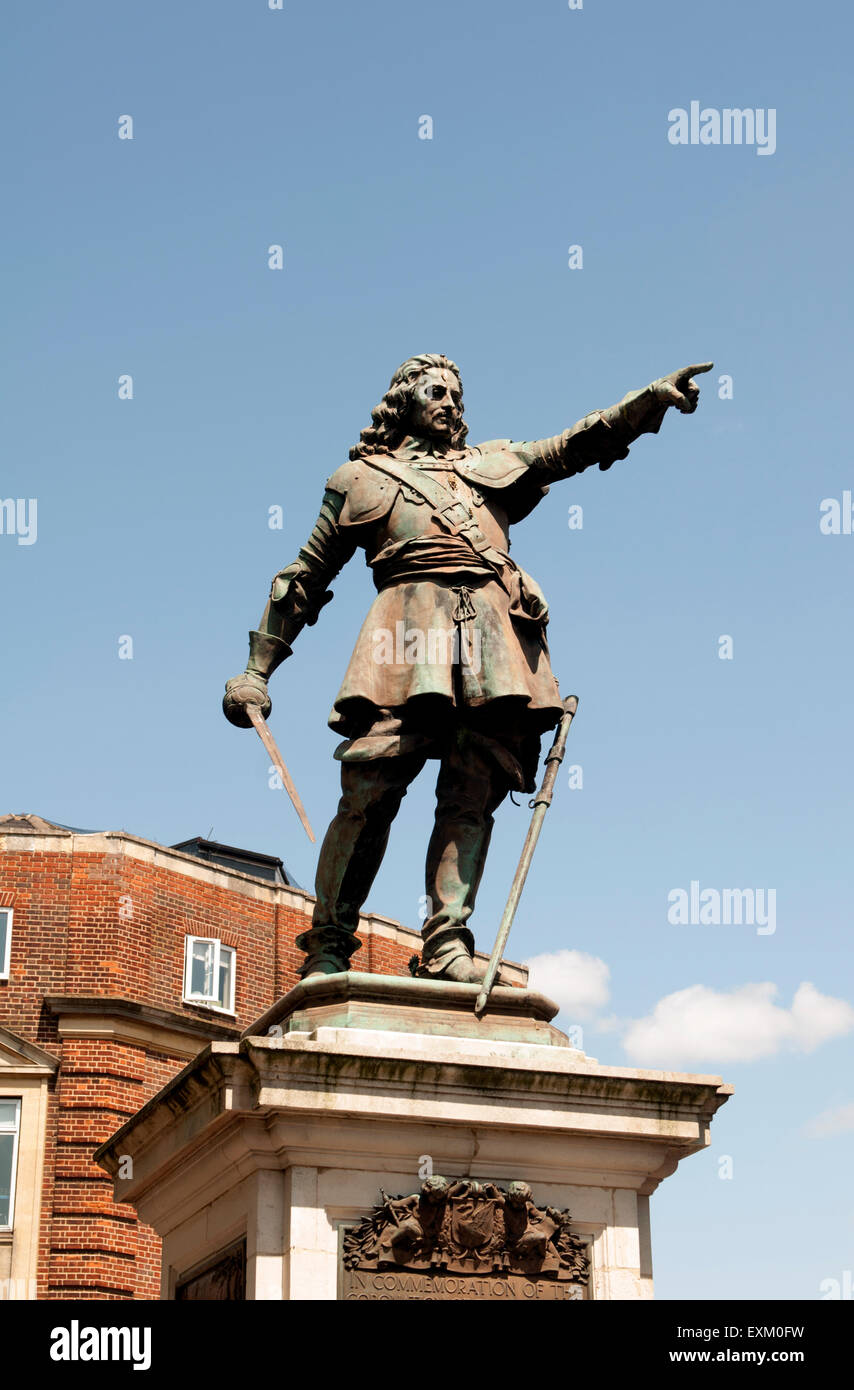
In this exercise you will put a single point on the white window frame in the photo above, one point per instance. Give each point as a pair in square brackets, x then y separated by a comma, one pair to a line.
[209, 1001]
[7, 954]
[15, 1130]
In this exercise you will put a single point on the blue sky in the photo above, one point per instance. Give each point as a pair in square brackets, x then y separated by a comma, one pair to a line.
[550, 128]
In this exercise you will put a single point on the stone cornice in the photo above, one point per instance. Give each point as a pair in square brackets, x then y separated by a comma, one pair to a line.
[270, 1102]
[127, 1020]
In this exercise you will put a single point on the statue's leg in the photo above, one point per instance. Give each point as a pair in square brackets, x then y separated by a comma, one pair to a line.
[472, 783]
[350, 857]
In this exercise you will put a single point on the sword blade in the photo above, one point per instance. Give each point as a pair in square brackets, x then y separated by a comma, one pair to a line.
[262, 729]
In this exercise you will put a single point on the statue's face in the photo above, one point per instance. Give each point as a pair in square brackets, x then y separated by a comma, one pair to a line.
[436, 398]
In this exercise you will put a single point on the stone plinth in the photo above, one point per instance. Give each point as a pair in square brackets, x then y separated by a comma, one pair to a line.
[284, 1138]
[401, 1004]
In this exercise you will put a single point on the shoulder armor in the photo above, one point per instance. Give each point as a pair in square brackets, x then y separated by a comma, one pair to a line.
[494, 464]
[368, 494]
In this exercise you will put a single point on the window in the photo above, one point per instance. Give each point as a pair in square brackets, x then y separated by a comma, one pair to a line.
[10, 1120]
[209, 973]
[5, 941]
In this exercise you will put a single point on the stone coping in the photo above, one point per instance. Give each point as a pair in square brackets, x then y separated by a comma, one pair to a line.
[299, 1077]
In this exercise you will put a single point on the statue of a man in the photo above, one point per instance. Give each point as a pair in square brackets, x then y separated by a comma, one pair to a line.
[452, 662]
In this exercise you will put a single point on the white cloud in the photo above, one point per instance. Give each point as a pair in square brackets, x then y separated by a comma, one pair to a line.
[817, 1018]
[743, 1025]
[838, 1120]
[573, 979]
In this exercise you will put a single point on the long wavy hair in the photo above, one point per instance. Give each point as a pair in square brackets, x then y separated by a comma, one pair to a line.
[391, 415]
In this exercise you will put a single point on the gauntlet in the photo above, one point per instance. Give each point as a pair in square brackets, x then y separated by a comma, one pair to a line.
[265, 654]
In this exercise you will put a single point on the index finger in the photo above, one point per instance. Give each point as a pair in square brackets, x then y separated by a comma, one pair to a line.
[696, 369]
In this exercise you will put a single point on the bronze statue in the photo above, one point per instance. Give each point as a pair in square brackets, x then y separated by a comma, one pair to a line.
[452, 662]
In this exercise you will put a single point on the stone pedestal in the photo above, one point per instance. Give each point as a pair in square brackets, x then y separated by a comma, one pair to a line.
[266, 1151]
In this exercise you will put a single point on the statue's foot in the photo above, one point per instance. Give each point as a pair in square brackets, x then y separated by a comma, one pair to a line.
[472, 972]
[327, 950]
[462, 969]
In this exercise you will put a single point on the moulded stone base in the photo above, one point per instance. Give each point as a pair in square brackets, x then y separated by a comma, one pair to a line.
[404, 1004]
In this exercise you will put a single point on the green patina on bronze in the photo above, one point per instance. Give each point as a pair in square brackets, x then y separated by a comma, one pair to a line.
[452, 662]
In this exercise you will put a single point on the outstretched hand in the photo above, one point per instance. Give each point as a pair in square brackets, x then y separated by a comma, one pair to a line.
[678, 389]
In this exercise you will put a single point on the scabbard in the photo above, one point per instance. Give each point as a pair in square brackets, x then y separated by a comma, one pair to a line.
[541, 803]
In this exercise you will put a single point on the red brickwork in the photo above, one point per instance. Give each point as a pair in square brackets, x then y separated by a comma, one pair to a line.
[111, 926]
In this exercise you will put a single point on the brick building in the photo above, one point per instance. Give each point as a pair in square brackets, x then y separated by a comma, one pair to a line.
[119, 960]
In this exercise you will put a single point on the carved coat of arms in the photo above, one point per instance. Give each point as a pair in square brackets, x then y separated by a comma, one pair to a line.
[468, 1227]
